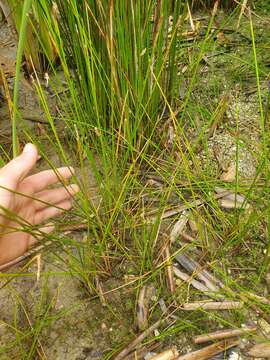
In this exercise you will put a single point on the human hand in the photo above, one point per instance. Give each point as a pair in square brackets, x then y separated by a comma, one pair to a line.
[26, 202]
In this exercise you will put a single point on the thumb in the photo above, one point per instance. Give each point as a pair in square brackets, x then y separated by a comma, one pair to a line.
[20, 166]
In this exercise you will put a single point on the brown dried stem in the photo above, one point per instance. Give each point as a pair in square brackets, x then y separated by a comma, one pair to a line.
[223, 334]
[213, 305]
[209, 351]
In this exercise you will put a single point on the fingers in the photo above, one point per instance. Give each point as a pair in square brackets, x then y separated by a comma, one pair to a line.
[39, 182]
[14, 171]
[54, 196]
[52, 211]
[42, 231]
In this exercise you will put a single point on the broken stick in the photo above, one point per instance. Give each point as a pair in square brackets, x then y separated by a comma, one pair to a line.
[260, 350]
[188, 278]
[170, 354]
[179, 226]
[209, 351]
[223, 334]
[140, 353]
[169, 269]
[138, 340]
[152, 215]
[213, 305]
[193, 267]
[143, 303]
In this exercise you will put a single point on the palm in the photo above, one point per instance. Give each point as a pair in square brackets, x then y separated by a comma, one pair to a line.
[26, 203]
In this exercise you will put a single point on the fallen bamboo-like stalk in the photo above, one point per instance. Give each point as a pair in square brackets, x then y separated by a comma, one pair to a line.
[231, 204]
[170, 354]
[223, 334]
[260, 351]
[245, 299]
[231, 196]
[140, 353]
[187, 278]
[260, 299]
[178, 209]
[138, 340]
[213, 305]
[232, 200]
[74, 227]
[209, 351]
[193, 267]
[179, 226]
[142, 310]
[169, 269]
[187, 237]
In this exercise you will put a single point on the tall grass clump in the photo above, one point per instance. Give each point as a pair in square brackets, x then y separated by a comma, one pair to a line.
[115, 58]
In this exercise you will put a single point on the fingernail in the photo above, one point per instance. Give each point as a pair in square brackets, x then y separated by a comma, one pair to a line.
[29, 148]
